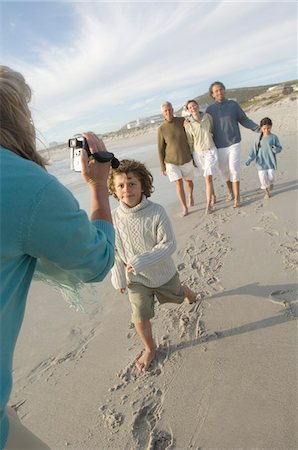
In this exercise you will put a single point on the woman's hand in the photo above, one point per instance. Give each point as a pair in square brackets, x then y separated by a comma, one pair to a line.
[96, 175]
[93, 172]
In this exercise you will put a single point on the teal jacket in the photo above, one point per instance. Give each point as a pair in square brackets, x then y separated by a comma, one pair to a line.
[40, 220]
[264, 152]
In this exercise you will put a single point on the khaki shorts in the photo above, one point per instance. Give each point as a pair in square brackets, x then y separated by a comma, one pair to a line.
[142, 297]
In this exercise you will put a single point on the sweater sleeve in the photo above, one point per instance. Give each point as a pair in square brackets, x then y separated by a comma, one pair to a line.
[69, 248]
[165, 246]
[161, 144]
[189, 135]
[252, 154]
[118, 278]
[277, 148]
[245, 121]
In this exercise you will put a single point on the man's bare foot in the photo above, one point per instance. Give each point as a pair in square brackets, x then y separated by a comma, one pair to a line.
[230, 196]
[144, 361]
[213, 199]
[189, 294]
[190, 202]
[184, 212]
[209, 210]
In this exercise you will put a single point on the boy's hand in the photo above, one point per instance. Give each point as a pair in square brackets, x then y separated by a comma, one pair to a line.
[129, 268]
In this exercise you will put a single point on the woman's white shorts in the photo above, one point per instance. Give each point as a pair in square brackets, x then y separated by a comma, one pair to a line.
[206, 161]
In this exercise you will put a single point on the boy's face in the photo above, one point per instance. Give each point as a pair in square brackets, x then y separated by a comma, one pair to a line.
[128, 188]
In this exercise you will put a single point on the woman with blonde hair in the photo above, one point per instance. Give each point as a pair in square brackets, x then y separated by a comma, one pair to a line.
[41, 226]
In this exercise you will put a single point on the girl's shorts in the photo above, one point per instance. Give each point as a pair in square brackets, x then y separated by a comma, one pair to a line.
[142, 297]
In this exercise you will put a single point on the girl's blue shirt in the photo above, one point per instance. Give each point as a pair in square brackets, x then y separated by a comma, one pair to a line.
[40, 222]
[265, 155]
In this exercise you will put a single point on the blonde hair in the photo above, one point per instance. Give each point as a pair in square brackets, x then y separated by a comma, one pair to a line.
[17, 132]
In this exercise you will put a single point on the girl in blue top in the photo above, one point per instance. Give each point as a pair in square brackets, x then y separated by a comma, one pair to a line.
[42, 228]
[264, 152]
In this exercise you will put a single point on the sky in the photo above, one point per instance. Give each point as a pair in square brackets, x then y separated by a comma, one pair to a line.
[98, 65]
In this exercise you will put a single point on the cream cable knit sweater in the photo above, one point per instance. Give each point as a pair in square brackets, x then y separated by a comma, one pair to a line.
[144, 239]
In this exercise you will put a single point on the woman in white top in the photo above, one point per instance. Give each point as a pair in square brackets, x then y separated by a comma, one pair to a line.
[199, 135]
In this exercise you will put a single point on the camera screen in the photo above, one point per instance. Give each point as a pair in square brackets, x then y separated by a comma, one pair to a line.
[72, 143]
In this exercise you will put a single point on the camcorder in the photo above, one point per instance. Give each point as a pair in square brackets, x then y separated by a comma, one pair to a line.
[77, 143]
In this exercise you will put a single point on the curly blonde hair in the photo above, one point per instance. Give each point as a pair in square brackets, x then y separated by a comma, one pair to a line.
[138, 169]
[17, 132]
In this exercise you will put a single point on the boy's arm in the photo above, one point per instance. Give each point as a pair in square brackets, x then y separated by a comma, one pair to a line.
[118, 278]
[165, 246]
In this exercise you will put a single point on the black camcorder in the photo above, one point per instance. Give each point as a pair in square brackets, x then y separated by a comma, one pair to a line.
[76, 143]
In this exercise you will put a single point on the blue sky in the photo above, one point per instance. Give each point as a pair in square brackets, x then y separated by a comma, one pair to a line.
[98, 65]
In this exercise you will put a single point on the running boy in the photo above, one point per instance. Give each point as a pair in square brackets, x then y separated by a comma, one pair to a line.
[144, 244]
[264, 152]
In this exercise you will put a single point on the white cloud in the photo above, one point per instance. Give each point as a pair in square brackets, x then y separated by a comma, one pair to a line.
[120, 59]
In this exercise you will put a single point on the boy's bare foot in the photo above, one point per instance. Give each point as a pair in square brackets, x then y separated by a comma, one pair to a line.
[144, 361]
[213, 199]
[189, 294]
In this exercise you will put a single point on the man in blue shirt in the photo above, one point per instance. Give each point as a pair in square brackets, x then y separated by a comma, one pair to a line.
[227, 114]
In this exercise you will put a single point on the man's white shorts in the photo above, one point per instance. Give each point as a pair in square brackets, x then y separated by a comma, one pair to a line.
[229, 162]
[207, 161]
[267, 178]
[186, 171]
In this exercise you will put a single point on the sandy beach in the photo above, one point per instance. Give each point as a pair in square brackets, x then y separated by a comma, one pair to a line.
[225, 375]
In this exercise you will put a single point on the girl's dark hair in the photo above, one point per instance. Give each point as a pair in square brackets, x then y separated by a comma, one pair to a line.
[213, 84]
[138, 169]
[190, 101]
[265, 121]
